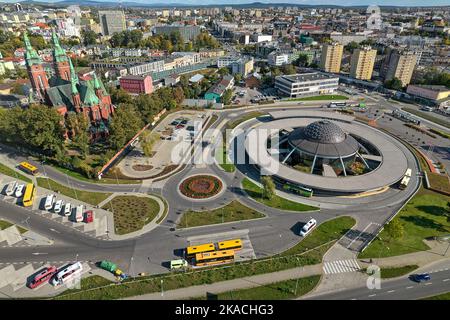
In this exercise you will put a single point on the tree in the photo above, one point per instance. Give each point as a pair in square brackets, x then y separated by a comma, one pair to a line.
[89, 37]
[125, 123]
[227, 95]
[394, 229]
[350, 47]
[223, 71]
[302, 60]
[78, 126]
[394, 84]
[288, 69]
[268, 187]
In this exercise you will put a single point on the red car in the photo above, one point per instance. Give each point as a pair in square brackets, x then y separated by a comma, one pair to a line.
[179, 126]
[89, 216]
[43, 276]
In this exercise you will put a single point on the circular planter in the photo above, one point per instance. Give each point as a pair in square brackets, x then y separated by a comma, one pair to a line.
[201, 186]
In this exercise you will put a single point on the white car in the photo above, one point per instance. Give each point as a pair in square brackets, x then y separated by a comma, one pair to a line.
[49, 201]
[307, 228]
[67, 209]
[19, 190]
[58, 206]
[11, 188]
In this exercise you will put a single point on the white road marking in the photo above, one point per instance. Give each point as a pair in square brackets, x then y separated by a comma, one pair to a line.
[409, 287]
[427, 284]
[340, 266]
[390, 291]
[372, 295]
[445, 280]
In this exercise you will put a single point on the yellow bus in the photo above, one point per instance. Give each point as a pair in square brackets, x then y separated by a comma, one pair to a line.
[28, 168]
[234, 244]
[28, 196]
[215, 257]
[193, 250]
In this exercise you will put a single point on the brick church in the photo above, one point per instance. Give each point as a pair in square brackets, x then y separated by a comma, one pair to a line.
[63, 89]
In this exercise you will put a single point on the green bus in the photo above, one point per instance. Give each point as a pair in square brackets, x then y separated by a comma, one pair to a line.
[303, 191]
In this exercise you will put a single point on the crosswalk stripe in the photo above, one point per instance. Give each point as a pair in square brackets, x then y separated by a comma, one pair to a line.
[341, 266]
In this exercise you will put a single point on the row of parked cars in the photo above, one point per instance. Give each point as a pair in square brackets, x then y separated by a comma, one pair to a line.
[77, 213]
[15, 189]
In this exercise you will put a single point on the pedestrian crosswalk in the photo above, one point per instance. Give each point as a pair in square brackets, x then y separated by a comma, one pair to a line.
[341, 266]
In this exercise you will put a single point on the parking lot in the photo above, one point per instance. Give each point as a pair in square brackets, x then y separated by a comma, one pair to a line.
[175, 131]
[246, 96]
[78, 216]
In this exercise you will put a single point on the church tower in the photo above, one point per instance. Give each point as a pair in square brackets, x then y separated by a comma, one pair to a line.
[60, 60]
[35, 68]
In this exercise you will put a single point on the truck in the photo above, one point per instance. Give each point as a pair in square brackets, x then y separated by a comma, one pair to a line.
[112, 267]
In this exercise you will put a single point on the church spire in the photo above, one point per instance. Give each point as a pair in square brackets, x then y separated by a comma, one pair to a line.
[73, 75]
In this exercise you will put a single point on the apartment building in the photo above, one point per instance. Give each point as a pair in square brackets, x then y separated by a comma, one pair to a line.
[399, 64]
[111, 22]
[331, 57]
[362, 63]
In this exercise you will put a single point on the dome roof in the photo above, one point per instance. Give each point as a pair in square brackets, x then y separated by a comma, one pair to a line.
[323, 138]
[324, 131]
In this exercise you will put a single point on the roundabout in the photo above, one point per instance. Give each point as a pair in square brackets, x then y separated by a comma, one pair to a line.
[202, 186]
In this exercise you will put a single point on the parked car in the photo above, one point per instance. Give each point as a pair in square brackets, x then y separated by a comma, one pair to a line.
[421, 277]
[58, 206]
[49, 201]
[89, 216]
[180, 126]
[11, 188]
[67, 209]
[19, 190]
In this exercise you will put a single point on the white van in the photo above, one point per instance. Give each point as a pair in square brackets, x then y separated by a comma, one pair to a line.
[49, 201]
[58, 206]
[78, 217]
[67, 209]
[307, 228]
[19, 190]
[11, 188]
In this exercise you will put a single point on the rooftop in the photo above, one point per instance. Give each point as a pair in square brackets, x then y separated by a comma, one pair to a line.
[303, 77]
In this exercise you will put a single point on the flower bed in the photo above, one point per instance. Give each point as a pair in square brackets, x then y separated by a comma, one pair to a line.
[201, 186]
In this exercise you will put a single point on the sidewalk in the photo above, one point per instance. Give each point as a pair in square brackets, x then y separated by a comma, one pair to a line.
[235, 284]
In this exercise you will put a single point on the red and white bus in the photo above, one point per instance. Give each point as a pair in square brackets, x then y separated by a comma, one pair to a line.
[43, 276]
[66, 274]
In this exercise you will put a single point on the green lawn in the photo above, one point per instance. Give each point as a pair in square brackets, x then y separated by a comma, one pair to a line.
[6, 224]
[281, 290]
[324, 235]
[233, 211]
[223, 160]
[255, 192]
[132, 213]
[421, 218]
[12, 173]
[90, 282]
[397, 271]
[81, 177]
[321, 97]
[93, 198]
[166, 209]
[250, 115]
[429, 116]
[444, 296]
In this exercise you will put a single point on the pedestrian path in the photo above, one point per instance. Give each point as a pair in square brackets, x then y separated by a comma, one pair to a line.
[341, 266]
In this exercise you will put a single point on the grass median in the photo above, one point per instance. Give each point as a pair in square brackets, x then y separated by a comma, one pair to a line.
[247, 116]
[424, 216]
[234, 211]
[324, 236]
[223, 159]
[6, 224]
[132, 213]
[79, 176]
[281, 290]
[12, 173]
[255, 192]
[444, 296]
[93, 198]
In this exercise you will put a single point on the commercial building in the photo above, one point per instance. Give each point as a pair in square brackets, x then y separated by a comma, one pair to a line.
[399, 64]
[362, 63]
[137, 84]
[111, 22]
[277, 59]
[330, 61]
[304, 84]
[436, 95]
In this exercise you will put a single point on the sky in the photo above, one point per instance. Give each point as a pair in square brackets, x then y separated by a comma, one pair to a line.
[309, 2]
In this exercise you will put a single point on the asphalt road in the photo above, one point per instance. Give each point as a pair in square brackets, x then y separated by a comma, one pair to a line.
[151, 251]
[398, 289]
